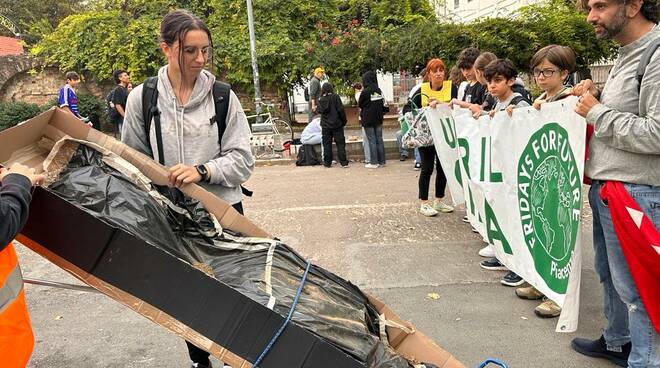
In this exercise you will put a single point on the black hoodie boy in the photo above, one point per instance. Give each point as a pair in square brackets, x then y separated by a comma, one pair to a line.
[371, 101]
[333, 115]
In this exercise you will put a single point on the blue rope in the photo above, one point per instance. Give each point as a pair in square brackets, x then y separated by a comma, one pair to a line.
[494, 361]
[288, 318]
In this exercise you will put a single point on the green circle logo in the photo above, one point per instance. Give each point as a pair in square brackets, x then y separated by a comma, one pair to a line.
[549, 200]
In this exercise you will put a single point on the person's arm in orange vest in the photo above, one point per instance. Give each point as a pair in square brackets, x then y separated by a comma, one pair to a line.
[15, 196]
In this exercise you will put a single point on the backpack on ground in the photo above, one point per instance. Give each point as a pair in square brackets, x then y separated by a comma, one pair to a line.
[112, 112]
[150, 111]
[307, 156]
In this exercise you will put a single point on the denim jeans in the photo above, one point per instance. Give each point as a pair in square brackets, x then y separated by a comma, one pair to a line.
[365, 145]
[376, 144]
[627, 319]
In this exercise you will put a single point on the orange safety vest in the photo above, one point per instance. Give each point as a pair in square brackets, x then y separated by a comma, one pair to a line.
[16, 338]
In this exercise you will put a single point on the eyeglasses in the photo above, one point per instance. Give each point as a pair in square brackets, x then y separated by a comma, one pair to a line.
[194, 51]
[546, 72]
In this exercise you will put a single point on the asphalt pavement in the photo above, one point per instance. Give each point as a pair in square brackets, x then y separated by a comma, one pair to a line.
[365, 226]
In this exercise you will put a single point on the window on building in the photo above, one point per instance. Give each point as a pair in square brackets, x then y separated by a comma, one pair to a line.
[457, 3]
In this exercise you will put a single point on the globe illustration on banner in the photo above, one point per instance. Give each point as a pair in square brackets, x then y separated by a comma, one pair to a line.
[549, 201]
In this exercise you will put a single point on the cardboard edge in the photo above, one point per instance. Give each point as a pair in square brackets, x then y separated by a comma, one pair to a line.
[413, 344]
[146, 310]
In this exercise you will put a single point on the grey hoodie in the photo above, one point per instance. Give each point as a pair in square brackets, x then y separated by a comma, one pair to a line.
[191, 139]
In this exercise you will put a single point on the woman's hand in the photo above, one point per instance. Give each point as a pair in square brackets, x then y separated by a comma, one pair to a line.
[492, 113]
[183, 174]
[509, 110]
[433, 103]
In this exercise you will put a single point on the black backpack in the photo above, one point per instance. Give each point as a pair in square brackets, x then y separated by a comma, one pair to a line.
[150, 110]
[110, 107]
[307, 156]
[526, 95]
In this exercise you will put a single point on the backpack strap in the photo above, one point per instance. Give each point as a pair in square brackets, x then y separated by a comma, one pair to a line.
[221, 92]
[516, 100]
[150, 111]
[645, 60]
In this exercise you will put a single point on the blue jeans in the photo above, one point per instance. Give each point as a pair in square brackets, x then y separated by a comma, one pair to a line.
[627, 319]
[376, 144]
[365, 145]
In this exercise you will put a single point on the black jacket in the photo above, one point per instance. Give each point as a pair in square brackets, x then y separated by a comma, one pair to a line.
[371, 102]
[15, 199]
[332, 111]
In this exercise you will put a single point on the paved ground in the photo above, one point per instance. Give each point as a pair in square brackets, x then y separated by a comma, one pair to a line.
[363, 225]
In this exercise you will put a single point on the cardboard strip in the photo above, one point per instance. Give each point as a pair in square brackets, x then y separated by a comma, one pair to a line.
[268, 275]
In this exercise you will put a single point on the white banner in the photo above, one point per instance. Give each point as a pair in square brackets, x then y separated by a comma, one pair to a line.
[520, 178]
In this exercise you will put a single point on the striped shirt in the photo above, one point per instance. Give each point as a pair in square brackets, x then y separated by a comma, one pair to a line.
[67, 97]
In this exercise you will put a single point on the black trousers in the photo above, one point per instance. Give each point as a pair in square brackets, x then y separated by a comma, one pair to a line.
[326, 137]
[196, 354]
[428, 157]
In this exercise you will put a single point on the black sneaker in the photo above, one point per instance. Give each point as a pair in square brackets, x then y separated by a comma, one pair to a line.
[512, 279]
[598, 349]
[492, 264]
[418, 166]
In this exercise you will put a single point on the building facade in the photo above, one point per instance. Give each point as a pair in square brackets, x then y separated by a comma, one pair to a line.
[468, 10]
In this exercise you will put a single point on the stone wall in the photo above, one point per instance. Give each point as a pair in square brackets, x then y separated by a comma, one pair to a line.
[23, 79]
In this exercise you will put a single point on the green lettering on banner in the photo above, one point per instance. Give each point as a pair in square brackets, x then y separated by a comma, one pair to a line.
[495, 177]
[463, 143]
[549, 197]
[493, 229]
[482, 162]
[447, 124]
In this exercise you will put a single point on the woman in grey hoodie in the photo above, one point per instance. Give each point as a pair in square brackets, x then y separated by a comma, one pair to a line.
[190, 137]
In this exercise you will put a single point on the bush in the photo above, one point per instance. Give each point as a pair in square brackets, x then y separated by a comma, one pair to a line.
[89, 106]
[12, 113]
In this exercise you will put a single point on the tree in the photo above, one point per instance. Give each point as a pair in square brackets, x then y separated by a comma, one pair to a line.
[36, 18]
[347, 37]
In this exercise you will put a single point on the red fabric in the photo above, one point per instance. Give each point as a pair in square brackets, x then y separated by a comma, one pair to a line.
[640, 244]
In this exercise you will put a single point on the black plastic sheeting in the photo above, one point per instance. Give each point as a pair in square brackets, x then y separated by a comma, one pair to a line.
[330, 306]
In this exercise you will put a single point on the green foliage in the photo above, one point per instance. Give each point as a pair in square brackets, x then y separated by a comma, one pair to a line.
[101, 42]
[558, 22]
[36, 18]
[12, 113]
[347, 37]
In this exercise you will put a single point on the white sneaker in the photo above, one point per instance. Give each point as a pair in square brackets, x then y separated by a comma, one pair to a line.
[465, 219]
[371, 166]
[487, 251]
[441, 206]
[426, 210]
